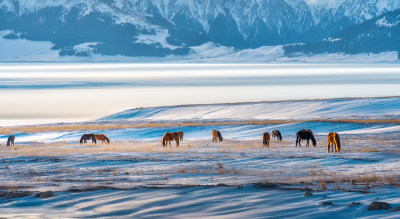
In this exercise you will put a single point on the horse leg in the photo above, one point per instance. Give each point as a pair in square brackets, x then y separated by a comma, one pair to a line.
[329, 145]
[308, 143]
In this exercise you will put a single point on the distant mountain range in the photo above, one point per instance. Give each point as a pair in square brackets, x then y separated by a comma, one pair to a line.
[376, 35]
[159, 28]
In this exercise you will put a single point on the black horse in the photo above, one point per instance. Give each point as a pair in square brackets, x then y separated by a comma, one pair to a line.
[86, 137]
[10, 140]
[277, 134]
[305, 134]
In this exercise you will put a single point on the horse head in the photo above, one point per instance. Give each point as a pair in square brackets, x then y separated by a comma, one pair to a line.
[314, 142]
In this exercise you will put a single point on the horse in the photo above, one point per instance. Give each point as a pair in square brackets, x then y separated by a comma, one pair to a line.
[216, 134]
[86, 137]
[10, 140]
[277, 134]
[305, 134]
[102, 138]
[266, 139]
[333, 138]
[180, 135]
[168, 137]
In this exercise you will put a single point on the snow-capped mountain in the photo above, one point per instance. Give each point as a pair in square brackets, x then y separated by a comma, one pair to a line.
[376, 35]
[164, 27]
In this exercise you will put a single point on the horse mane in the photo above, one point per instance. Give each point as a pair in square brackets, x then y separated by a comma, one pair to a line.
[278, 134]
[219, 135]
[108, 140]
[164, 139]
[313, 139]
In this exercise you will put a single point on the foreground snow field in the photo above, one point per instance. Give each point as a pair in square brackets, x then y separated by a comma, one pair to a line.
[237, 178]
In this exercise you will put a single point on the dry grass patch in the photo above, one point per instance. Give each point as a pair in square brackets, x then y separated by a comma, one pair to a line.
[92, 127]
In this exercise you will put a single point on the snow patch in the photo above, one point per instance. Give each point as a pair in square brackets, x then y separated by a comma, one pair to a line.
[383, 57]
[85, 47]
[385, 23]
[25, 50]
[160, 37]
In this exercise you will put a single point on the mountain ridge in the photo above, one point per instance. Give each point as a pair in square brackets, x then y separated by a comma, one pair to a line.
[171, 27]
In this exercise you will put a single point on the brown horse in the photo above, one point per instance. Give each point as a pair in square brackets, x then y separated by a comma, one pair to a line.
[266, 139]
[216, 134]
[102, 138]
[168, 137]
[180, 135]
[333, 138]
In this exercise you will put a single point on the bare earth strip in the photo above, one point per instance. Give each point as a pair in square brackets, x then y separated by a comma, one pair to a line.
[113, 125]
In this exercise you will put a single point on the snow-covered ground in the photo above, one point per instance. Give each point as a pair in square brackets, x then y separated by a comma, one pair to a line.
[364, 108]
[26, 50]
[135, 176]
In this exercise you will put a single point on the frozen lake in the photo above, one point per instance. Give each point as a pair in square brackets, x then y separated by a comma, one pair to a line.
[55, 92]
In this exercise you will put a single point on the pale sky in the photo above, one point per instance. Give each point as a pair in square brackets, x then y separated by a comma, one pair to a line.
[32, 93]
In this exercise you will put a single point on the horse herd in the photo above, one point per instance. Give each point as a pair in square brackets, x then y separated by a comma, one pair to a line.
[304, 134]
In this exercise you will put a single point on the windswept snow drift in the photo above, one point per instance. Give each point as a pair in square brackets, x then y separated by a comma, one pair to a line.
[367, 108]
[291, 116]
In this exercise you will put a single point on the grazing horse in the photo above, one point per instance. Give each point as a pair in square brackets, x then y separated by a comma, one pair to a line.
[277, 134]
[102, 138]
[266, 139]
[333, 138]
[180, 135]
[168, 137]
[216, 134]
[10, 140]
[86, 137]
[305, 134]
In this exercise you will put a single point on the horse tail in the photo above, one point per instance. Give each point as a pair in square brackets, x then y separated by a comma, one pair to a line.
[337, 141]
[264, 138]
[219, 136]
[94, 139]
[279, 136]
[163, 140]
[314, 142]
